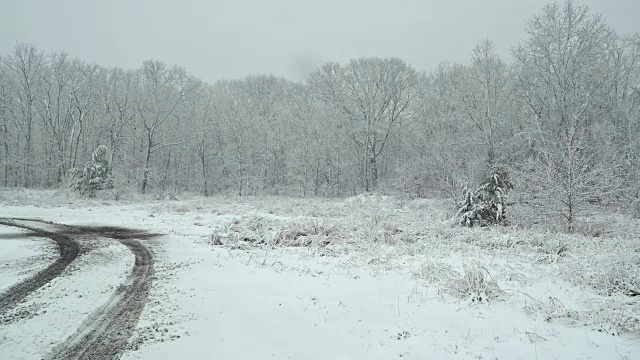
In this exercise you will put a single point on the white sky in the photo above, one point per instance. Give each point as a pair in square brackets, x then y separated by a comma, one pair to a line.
[218, 39]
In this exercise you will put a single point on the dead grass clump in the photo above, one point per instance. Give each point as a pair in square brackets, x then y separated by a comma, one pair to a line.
[237, 234]
[551, 250]
[435, 272]
[476, 284]
[590, 229]
[312, 232]
[256, 223]
[215, 238]
[235, 241]
[552, 309]
[377, 235]
[608, 270]
[294, 239]
[315, 226]
[489, 238]
[264, 232]
[612, 317]
[182, 209]
[378, 229]
[503, 241]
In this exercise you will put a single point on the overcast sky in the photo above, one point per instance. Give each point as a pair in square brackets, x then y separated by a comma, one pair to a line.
[217, 39]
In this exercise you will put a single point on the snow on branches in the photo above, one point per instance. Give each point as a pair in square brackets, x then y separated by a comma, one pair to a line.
[486, 205]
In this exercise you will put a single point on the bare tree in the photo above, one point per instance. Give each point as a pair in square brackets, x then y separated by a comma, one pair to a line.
[445, 153]
[26, 64]
[559, 79]
[5, 108]
[373, 95]
[484, 90]
[55, 108]
[83, 97]
[238, 135]
[119, 98]
[201, 111]
[164, 91]
[621, 104]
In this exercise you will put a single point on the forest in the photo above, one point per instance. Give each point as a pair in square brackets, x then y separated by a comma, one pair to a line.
[561, 116]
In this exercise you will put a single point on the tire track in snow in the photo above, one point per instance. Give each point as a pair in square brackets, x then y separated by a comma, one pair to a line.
[69, 250]
[105, 334]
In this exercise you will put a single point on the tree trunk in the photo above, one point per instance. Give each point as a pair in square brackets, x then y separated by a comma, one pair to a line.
[27, 152]
[204, 175]
[145, 171]
[373, 168]
[6, 157]
[491, 156]
[75, 151]
[202, 154]
[61, 167]
[166, 171]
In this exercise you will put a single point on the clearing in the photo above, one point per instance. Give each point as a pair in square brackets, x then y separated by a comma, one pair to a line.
[281, 278]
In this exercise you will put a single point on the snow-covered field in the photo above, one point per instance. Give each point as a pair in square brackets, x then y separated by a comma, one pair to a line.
[329, 279]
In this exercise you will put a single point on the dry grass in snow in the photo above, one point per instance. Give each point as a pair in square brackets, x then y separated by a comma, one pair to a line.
[474, 284]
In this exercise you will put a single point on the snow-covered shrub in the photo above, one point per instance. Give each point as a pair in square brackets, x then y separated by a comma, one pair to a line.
[487, 204]
[96, 174]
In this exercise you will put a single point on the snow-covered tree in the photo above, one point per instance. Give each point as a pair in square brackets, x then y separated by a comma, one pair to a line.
[95, 176]
[560, 78]
[487, 205]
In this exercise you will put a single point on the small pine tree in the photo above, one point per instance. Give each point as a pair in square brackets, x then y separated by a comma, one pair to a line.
[95, 176]
[487, 205]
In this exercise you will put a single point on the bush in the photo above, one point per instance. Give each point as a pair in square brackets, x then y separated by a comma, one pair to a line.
[487, 205]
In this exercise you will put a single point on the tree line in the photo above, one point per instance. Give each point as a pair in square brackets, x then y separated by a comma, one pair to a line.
[562, 115]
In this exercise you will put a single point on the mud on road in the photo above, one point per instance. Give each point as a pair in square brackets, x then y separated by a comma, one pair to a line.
[106, 332]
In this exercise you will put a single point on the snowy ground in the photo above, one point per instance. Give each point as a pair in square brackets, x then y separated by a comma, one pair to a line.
[390, 283]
